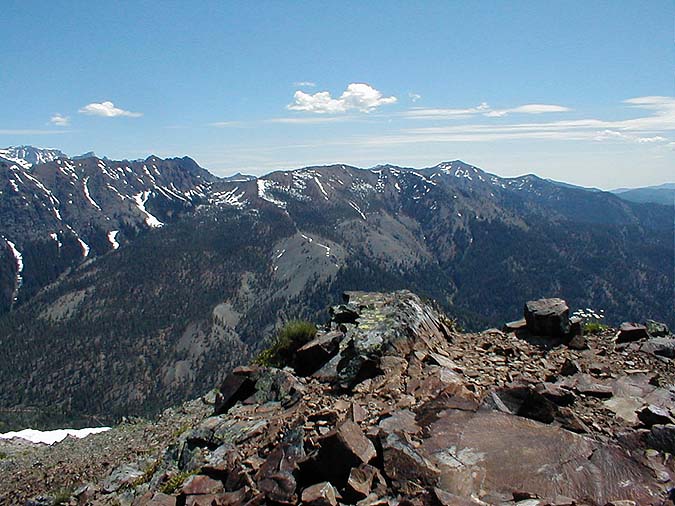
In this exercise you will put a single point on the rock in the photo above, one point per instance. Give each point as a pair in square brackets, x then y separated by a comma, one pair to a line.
[321, 494]
[660, 346]
[657, 329]
[488, 449]
[630, 331]
[340, 450]
[570, 368]
[587, 385]
[555, 393]
[578, 342]
[515, 326]
[621, 502]
[360, 481]
[121, 477]
[662, 438]
[276, 477]
[547, 317]
[160, 499]
[405, 467]
[654, 415]
[443, 498]
[234, 388]
[393, 324]
[313, 355]
[400, 422]
[576, 327]
[202, 485]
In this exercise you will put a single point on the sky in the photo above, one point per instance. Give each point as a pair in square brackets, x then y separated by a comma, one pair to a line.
[577, 91]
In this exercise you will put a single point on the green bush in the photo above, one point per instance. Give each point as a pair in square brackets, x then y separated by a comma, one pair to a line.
[175, 481]
[292, 336]
[62, 496]
[594, 327]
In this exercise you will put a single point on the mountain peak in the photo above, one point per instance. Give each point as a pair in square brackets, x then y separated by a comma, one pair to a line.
[27, 156]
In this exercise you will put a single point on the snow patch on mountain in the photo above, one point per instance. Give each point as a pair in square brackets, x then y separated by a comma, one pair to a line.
[141, 199]
[112, 239]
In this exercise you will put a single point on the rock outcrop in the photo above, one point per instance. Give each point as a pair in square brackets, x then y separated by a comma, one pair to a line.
[391, 405]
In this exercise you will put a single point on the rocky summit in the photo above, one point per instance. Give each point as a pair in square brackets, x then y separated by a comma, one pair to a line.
[391, 404]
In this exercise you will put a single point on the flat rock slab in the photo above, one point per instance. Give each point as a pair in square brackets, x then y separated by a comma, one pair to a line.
[493, 452]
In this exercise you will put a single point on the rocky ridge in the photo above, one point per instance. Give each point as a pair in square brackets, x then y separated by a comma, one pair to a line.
[390, 404]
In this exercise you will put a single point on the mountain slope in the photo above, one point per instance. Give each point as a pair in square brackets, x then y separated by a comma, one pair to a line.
[59, 213]
[189, 300]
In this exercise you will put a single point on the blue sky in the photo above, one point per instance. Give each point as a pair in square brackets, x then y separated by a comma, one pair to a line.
[576, 91]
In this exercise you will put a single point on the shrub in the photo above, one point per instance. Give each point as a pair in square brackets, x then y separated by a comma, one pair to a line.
[292, 336]
[175, 481]
[594, 327]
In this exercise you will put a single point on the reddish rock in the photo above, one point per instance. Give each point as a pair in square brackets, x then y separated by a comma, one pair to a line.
[408, 471]
[160, 499]
[360, 481]
[342, 449]
[313, 355]
[321, 494]
[200, 484]
[631, 331]
[234, 388]
[202, 500]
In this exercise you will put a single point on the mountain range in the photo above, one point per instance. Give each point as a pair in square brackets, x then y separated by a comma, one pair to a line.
[128, 285]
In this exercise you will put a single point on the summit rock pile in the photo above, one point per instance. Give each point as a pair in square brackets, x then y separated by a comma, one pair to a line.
[390, 404]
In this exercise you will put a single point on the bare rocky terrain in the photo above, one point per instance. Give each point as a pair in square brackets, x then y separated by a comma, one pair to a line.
[391, 404]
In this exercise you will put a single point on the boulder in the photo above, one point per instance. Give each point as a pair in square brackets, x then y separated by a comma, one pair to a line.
[660, 346]
[321, 494]
[654, 415]
[515, 326]
[340, 450]
[408, 471]
[310, 357]
[234, 388]
[661, 438]
[631, 331]
[360, 481]
[202, 485]
[547, 317]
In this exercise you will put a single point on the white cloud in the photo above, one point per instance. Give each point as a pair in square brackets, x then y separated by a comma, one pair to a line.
[414, 97]
[59, 120]
[108, 110]
[305, 84]
[528, 109]
[483, 109]
[357, 97]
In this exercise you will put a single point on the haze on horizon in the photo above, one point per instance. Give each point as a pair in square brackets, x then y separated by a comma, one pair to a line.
[576, 92]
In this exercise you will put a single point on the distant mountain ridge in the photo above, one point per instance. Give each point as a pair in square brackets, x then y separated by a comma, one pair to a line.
[659, 194]
[195, 297]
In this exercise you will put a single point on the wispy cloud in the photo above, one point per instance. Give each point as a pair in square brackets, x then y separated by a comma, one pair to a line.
[310, 120]
[59, 120]
[414, 97]
[483, 109]
[304, 84]
[357, 97]
[228, 124]
[107, 109]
